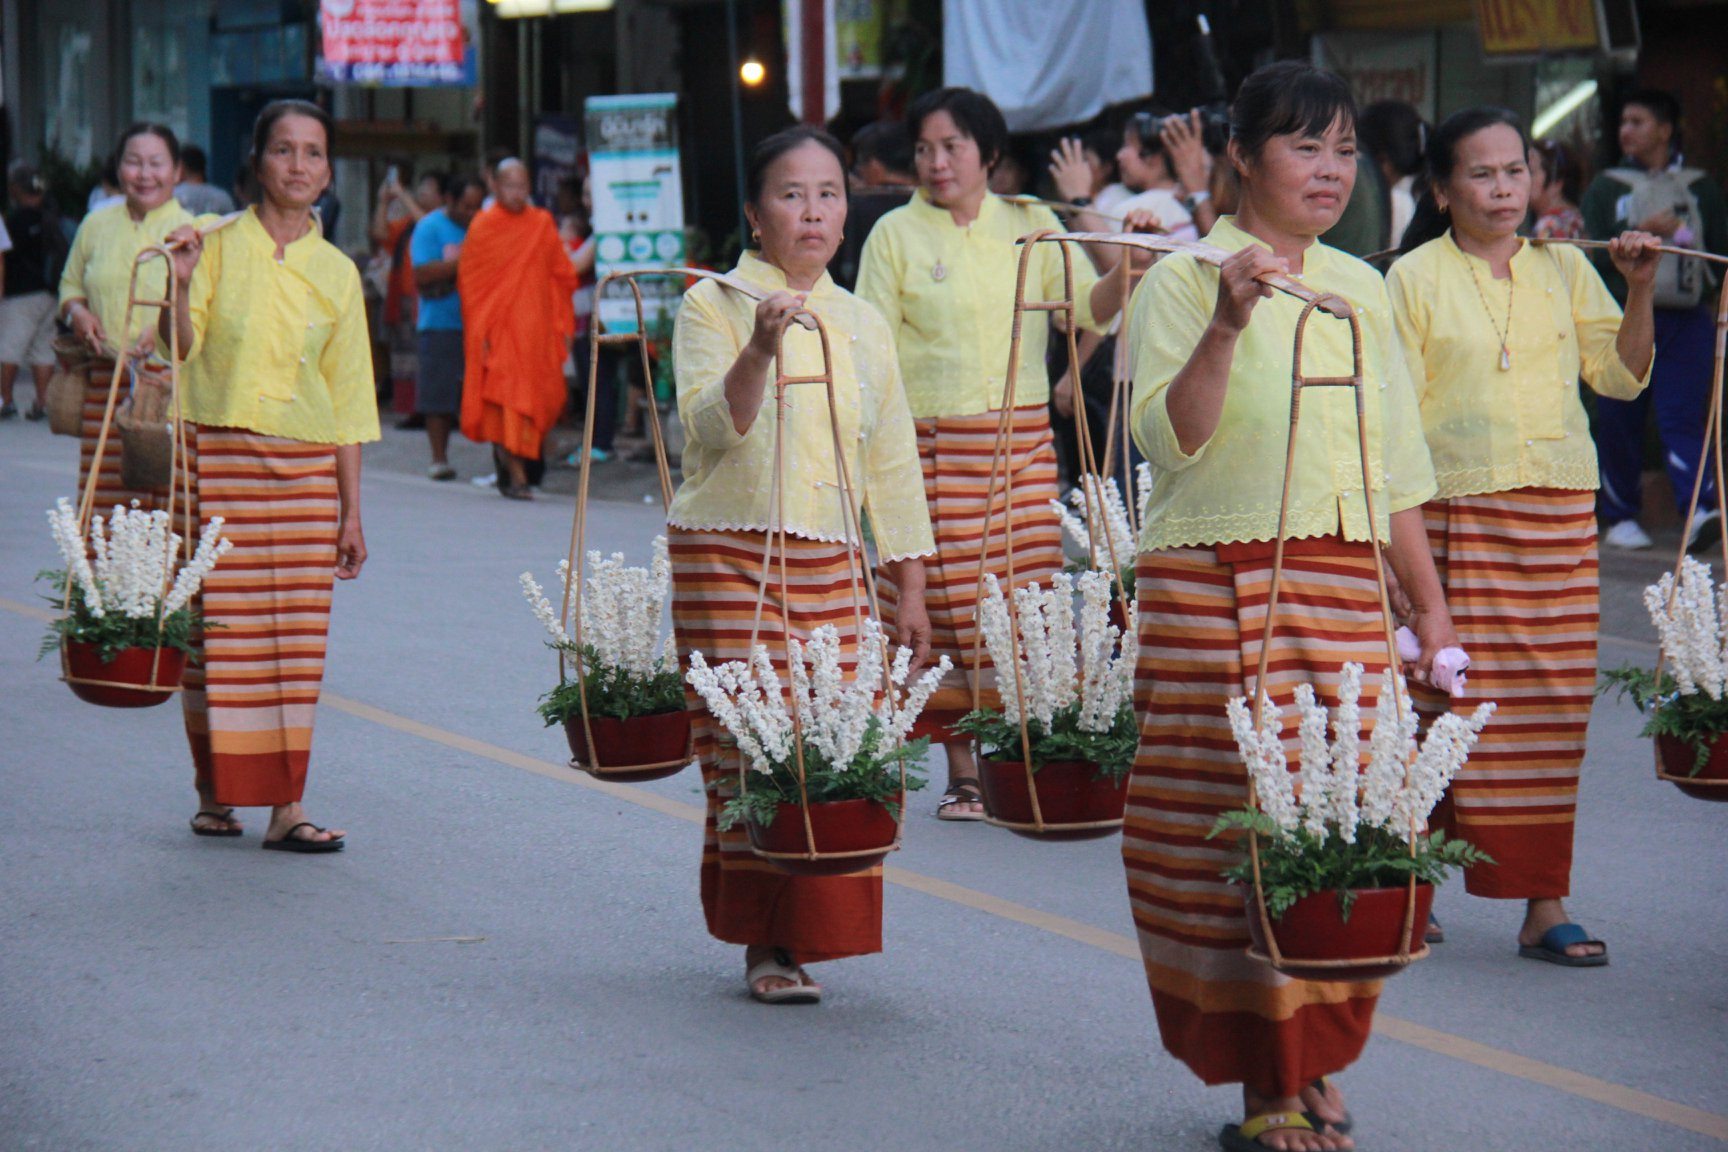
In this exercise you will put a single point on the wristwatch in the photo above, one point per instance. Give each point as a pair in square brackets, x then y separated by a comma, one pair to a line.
[1194, 199]
[1081, 202]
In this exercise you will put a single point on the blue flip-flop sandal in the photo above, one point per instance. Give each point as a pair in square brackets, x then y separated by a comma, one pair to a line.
[1556, 940]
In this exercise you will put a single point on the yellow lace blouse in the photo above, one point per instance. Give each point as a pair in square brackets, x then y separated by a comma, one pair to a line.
[947, 293]
[280, 349]
[728, 476]
[1228, 490]
[99, 268]
[1493, 431]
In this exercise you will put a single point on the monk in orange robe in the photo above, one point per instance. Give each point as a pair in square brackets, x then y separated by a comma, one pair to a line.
[516, 282]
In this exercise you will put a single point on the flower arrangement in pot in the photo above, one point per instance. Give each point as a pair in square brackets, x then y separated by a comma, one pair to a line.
[826, 761]
[1055, 757]
[127, 593]
[1686, 696]
[623, 709]
[1113, 548]
[1340, 870]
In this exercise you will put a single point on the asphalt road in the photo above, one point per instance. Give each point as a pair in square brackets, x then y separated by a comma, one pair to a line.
[509, 957]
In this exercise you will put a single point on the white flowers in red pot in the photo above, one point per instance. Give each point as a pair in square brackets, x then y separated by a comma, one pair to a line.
[126, 584]
[627, 672]
[1332, 825]
[852, 726]
[1687, 708]
[1075, 682]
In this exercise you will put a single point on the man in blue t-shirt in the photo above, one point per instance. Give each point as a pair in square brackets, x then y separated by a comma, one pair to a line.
[433, 251]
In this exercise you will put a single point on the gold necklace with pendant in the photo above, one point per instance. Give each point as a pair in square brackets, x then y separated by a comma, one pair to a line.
[1506, 336]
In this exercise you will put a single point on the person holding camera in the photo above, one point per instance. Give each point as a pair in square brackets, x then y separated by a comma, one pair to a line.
[1653, 191]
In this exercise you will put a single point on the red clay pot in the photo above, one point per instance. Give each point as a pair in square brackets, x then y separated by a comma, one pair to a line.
[1070, 792]
[129, 666]
[838, 826]
[1314, 928]
[624, 746]
[1676, 758]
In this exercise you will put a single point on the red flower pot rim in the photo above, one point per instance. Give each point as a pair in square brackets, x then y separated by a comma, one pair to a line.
[1709, 782]
[665, 735]
[135, 678]
[867, 825]
[1281, 942]
[1099, 787]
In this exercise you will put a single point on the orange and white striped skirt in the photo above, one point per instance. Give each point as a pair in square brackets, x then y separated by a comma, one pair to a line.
[1520, 574]
[956, 453]
[109, 490]
[249, 705]
[1230, 1018]
[748, 901]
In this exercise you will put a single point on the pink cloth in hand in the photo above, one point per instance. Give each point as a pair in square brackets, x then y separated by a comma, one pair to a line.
[1447, 673]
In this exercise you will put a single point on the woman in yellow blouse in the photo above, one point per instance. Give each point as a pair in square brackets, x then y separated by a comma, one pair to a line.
[97, 281]
[1497, 333]
[942, 272]
[278, 387]
[724, 348]
[1211, 410]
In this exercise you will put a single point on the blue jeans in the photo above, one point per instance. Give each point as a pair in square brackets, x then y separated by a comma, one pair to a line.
[1680, 390]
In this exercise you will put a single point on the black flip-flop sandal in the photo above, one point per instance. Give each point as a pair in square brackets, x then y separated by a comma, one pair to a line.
[233, 826]
[962, 791]
[1341, 1127]
[292, 843]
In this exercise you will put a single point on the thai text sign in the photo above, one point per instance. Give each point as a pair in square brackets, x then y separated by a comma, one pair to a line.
[1534, 27]
[399, 42]
[638, 188]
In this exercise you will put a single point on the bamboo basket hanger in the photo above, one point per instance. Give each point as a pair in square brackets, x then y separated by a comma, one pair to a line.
[861, 581]
[579, 522]
[1002, 470]
[1000, 465]
[179, 495]
[578, 527]
[1404, 956]
[1718, 789]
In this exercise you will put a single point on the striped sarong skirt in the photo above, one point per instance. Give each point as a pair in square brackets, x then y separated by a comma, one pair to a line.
[1230, 1018]
[1520, 574]
[746, 900]
[249, 705]
[956, 454]
[109, 490]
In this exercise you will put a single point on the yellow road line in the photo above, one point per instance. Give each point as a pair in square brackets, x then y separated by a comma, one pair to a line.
[1391, 1027]
[1499, 1060]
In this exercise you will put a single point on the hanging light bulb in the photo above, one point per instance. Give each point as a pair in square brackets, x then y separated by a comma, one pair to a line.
[752, 72]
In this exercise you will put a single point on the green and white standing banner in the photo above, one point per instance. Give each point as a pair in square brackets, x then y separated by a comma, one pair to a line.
[638, 189]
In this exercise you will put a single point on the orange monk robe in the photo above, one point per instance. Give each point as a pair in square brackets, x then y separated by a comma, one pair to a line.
[516, 283]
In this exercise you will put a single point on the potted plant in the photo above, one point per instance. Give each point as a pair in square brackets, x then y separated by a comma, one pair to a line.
[826, 759]
[1338, 846]
[1687, 701]
[623, 714]
[129, 613]
[1118, 544]
[1069, 691]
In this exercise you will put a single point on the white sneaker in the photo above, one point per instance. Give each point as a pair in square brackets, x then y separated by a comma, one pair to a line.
[1627, 536]
[1706, 530]
[491, 479]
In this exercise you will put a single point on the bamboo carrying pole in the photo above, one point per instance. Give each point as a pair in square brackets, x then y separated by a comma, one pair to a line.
[124, 364]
